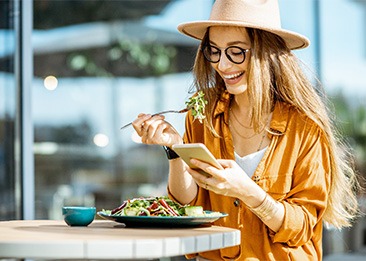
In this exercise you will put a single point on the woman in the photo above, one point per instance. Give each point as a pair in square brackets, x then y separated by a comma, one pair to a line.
[284, 172]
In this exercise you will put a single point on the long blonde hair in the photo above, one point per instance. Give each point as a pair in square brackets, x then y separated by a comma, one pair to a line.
[274, 74]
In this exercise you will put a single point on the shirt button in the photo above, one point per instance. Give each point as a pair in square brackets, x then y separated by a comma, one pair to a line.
[256, 179]
[236, 202]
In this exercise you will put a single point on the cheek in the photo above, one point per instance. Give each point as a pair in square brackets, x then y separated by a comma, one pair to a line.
[245, 68]
[215, 66]
[245, 65]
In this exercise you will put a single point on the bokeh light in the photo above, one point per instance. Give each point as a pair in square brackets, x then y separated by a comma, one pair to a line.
[50, 83]
[101, 140]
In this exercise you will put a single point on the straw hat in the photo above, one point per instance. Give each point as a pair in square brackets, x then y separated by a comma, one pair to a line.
[259, 14]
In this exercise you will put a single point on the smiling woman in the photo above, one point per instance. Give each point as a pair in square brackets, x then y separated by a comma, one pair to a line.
[140, 63]
[233, 65]
[265, 122]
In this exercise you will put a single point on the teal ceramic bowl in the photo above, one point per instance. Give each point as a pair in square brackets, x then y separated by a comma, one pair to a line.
[78, 216]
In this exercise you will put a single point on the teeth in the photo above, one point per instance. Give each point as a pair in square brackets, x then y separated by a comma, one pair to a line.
[231, 76]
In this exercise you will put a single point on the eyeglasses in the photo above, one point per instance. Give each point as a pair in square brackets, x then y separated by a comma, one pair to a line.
[235, 54]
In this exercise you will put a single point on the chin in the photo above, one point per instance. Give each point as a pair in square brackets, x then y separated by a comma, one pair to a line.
[236, 90]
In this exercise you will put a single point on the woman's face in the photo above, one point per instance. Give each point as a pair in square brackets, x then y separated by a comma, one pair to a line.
[233, 74]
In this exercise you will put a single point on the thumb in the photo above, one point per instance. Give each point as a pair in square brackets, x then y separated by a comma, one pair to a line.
[225, 163]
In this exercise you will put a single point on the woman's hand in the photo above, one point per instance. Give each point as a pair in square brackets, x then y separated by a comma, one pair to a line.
[231, 181]
[234, 182]
[155, 130]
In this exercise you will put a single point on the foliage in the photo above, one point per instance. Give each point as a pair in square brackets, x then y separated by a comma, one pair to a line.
[147, 59]
[351, 117]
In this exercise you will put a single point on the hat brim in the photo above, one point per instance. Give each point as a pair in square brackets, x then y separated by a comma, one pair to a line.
[198, 29]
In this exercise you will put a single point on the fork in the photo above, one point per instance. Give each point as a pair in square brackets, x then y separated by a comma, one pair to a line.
[160, 113]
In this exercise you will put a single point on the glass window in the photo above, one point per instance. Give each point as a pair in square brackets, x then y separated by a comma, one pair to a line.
[95, 69]
[8, 204]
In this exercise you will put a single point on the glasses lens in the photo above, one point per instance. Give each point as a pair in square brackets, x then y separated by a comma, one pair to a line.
[211, 53]
[235, 54]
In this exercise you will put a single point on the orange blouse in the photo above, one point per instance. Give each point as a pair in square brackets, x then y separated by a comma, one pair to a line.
[295, 170]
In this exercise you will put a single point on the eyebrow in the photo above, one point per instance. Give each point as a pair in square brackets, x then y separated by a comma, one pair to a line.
[230, 43]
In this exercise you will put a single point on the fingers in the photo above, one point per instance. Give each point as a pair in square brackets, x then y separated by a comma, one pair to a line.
[154, 128]
[150, 128]
[159, 130]
[209, 169]
[229, 181]
[208, 176]
[139, 123]
[200, 178]
[226, 163]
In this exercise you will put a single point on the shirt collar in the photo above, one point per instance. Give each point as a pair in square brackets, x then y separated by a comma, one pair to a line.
[280, 117]
[222, 106]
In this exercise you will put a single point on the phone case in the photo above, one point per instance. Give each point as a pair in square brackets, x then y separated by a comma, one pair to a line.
[196, 151]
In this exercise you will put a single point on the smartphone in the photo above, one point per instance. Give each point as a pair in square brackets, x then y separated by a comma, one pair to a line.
[196, 151]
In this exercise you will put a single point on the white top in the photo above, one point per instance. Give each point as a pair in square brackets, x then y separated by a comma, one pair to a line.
[51, 239]
[249, 163]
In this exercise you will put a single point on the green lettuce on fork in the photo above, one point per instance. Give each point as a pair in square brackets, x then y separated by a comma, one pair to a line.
[197, 104]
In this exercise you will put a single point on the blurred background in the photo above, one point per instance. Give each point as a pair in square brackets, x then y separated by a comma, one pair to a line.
[73, 72]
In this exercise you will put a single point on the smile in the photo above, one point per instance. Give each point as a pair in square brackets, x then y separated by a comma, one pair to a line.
[232, 76]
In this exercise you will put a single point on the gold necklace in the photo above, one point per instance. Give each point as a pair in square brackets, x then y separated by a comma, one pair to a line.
[241, 135]
[262, 139]
[236, 119]
[251, 136]
[260, 144]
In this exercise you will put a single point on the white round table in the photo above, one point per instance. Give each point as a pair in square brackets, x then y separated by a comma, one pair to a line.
[53, 239]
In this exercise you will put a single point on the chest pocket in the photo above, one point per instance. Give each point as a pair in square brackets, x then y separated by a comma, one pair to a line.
[276, 185]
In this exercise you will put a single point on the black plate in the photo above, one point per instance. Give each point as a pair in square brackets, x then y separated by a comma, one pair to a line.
[153, 221]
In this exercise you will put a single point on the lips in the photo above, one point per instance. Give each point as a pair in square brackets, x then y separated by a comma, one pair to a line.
[233, 78]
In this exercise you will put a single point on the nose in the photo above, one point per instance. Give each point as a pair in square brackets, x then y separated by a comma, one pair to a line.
[224, 62]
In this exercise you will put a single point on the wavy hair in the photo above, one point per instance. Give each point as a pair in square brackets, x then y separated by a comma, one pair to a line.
[275, 74]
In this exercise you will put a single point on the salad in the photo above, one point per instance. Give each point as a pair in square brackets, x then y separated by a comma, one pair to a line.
[197, 105]
[157, 206]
